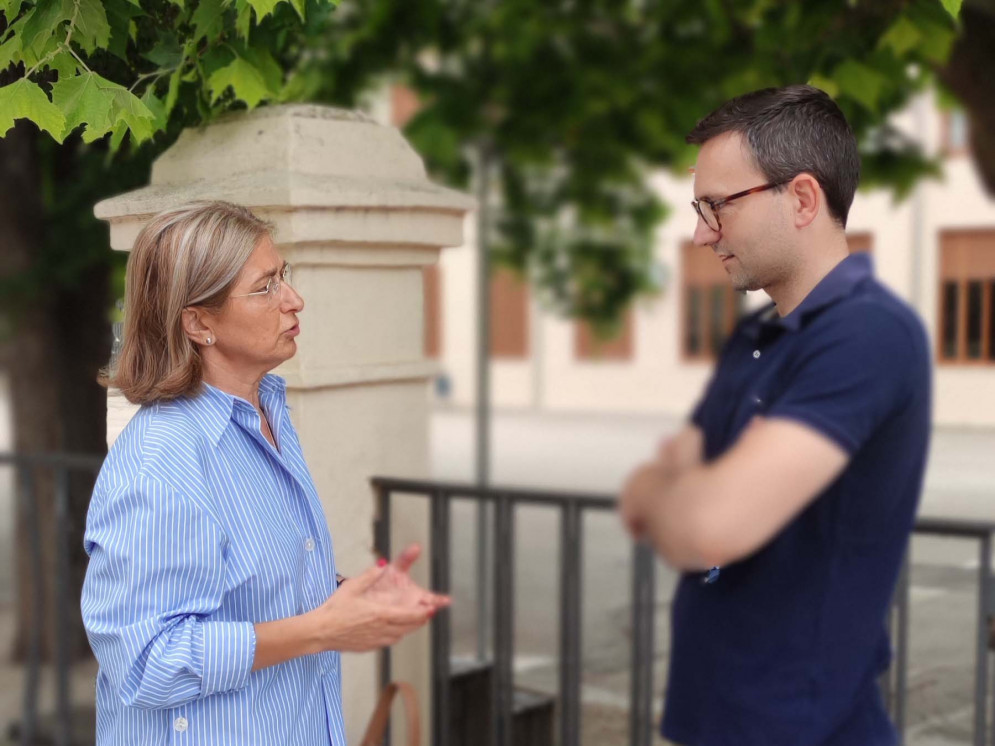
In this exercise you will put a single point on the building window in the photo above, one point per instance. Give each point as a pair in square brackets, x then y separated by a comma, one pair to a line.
[711, 307]
[966, 328]
[509, 315]
[404, 104]
[954, 135]
[590, 347]
[860, 243]
[432, 289]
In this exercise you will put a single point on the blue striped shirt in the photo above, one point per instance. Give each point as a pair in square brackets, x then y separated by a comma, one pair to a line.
[198, 529]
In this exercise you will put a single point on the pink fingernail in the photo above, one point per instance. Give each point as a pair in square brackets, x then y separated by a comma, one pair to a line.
[381, 562]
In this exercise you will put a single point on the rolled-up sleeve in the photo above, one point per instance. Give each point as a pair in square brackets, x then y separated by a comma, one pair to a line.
[153, 588]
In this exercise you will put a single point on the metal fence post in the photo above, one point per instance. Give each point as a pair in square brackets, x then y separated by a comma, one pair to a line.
[643, 603]
[441, 715]
[571, 617]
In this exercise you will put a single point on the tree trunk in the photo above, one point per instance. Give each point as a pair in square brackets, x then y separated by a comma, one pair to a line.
[59, 339]
[968, 75]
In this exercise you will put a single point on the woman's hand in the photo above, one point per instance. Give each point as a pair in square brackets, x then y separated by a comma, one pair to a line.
[396, 587]
[356, 619]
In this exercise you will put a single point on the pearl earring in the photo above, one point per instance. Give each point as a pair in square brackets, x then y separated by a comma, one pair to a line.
[209, 340]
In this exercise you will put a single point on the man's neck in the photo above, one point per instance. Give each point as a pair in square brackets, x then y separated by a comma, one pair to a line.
[789, 294]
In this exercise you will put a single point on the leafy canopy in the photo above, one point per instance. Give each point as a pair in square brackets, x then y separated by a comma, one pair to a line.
[121, 67]
[575, 102]
[572, 103]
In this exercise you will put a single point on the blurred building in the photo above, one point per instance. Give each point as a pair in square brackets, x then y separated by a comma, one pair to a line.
[936, 250]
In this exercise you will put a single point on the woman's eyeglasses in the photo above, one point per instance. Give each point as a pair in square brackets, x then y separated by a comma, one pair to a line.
[273, 286]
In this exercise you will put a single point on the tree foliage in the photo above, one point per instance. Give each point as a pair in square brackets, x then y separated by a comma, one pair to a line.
[572, 101]
[114, 68]
[575, 102]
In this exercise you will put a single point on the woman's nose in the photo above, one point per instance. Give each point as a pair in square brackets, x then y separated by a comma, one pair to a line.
[292, 300]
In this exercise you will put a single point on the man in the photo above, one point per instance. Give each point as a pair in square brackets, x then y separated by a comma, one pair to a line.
[789, 498]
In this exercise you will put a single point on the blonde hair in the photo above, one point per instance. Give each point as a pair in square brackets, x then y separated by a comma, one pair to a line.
[187, 256]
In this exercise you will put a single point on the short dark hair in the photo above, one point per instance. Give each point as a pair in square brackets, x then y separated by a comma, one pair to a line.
[792, 130]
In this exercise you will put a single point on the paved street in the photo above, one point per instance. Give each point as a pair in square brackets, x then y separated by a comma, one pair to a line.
[594, 453]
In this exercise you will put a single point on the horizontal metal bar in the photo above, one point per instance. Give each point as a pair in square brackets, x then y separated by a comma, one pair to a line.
[955, 527]
[458, 490]
[601, 501]
[59, 460]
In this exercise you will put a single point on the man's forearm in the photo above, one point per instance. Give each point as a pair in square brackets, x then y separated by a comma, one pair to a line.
[679, 522]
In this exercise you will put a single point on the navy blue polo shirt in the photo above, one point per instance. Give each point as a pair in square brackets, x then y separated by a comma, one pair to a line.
[785, 647]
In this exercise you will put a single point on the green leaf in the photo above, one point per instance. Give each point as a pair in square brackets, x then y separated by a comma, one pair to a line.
[64, 64]
[953, 8]
[173, 92]
[119, 15]
[270, 69]
[83, 100]
[92, 29]
[245, 80]
[860, 82]
[10, 51]
[117, 137]
[42, 21]
[243, 18]
[207, 19]
[166, 52]
[936, 43]
[11, 8]
[901, 37]
[300, 6]
[129, 109]
[157, 106]
[263, 7]
[23, 99]
[826, 84]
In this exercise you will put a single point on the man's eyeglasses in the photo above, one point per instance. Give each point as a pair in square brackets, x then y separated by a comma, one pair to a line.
[273, 286]
[708, 209]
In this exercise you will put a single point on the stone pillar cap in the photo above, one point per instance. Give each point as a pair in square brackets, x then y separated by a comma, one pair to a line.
[292, 157]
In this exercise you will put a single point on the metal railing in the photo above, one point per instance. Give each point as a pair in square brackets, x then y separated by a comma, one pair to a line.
[60, 466]
[572, 506]
[895, 681]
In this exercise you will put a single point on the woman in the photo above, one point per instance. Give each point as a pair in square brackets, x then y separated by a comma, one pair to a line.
[211, 600]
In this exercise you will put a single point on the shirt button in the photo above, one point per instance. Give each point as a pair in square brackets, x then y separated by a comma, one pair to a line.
[180, 724]
[756, 354]
[309, 545]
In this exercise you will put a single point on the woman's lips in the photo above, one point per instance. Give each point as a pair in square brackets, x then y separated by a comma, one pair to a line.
[294, 330]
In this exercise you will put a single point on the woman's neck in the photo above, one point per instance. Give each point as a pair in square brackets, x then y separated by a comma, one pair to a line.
[236, 383]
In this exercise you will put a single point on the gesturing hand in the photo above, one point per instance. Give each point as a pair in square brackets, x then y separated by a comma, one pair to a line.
[396, 588]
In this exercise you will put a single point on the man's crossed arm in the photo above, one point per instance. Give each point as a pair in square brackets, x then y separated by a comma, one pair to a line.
[698, 515]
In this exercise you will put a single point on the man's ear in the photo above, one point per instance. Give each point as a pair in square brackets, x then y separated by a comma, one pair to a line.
[807, 199]
[197, 325]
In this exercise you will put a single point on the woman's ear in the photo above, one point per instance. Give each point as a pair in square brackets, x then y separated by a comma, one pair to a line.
[808, 199]
[197, 325]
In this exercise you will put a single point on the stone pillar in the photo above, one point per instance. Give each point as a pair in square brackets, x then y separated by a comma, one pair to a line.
[358, 219]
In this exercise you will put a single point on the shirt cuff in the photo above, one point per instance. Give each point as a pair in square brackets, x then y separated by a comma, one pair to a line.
[228, 654]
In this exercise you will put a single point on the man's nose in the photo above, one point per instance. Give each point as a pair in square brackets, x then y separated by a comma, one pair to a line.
[704, 235]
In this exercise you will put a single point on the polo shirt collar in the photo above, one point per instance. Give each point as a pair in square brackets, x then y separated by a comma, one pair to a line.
[840, 282]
